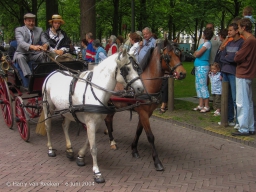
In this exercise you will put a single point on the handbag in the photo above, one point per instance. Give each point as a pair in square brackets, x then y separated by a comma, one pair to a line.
[193, 71]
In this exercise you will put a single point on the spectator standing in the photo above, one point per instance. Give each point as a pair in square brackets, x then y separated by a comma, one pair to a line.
[90, 51]
[84, 44]
[245, 72]
[148, 42]
[100, 52]
[222, 35]
[119, 42]
[202, 55]
[247, 13]
[113, 48]
[229, 70]
[107, 45]
[215, 79]
[214, 41]
[134, 40]
[127, 44]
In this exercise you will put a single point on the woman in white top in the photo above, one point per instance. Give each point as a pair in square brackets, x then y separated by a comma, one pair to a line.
[135, 40]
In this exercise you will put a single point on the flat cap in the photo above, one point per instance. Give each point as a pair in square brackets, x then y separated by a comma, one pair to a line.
[29, 15]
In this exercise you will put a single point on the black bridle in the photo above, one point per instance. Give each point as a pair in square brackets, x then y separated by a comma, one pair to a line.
[167, 58]
[124, 71]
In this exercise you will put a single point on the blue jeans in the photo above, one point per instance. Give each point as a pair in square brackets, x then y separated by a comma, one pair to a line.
[232, 109]
[244, 105]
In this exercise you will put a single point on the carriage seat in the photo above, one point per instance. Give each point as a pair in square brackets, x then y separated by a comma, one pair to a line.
[41, 70]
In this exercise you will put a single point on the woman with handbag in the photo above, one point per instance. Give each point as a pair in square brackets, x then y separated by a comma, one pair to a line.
[202, 67]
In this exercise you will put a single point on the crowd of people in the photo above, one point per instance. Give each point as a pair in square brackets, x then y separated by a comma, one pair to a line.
[228, 58]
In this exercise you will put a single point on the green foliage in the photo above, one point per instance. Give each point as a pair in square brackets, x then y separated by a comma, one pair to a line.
[185, 87]
[182, 15]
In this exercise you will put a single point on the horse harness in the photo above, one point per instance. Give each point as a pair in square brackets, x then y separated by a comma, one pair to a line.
[104, 109]
[167, 59]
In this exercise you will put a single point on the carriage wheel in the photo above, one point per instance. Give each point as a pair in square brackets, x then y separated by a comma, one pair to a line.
[21, 119]
[6, 103]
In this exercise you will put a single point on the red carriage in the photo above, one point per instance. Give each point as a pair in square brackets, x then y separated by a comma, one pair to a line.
[20, 105]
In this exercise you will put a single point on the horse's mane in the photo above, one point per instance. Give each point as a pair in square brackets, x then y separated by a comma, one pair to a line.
[146, 59]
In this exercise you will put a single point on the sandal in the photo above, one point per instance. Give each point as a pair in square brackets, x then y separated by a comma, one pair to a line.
[198, 108]
[205, 109]
[217, 113]
[162, 110]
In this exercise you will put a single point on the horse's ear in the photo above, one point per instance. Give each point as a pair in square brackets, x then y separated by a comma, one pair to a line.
[124, 52]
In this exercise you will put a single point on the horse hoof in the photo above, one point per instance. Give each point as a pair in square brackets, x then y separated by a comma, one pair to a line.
[106, 132]
[159, 167]
[70, 155]
[51, 153]
[136, 155]
[98, 178]
[114, 147]
[80, 161]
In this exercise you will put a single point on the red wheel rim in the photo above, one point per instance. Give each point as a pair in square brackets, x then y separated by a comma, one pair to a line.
[6, 103]
[34, 102]
[21, 120]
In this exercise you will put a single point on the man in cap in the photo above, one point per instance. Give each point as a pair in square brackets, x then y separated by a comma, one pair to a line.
[58, 40]
[31, 44]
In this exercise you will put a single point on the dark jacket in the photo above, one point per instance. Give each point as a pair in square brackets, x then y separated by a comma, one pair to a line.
[228, 55]
[65, 42]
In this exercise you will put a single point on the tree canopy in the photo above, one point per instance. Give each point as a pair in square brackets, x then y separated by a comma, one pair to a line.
[106, 17]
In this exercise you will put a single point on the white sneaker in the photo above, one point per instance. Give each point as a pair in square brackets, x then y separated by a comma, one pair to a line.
[231, 124]
[236, 126]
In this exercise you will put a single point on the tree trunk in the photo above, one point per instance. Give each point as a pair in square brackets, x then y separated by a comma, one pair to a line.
[115, 17]
[143, 15]
[87, 17]
[51, 9]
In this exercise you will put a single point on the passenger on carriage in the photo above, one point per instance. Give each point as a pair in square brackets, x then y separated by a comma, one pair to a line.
[100, 52]
[31, 46]
[148, 42]
[58, 40]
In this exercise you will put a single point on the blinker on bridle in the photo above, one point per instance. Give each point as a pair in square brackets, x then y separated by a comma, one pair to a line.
[124, 71]
[167, 58]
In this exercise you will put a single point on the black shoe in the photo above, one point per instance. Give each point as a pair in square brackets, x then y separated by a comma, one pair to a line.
[240, 134]
[28, 76]
[252, 132]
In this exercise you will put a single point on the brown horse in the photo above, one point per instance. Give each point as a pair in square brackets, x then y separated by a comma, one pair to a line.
[164, 57]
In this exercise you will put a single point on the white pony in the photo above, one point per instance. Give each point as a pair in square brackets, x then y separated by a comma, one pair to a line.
[57, 97]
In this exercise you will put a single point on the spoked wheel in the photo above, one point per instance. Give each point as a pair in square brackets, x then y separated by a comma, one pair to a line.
[6, 103]
[34, 107]
[21, 119]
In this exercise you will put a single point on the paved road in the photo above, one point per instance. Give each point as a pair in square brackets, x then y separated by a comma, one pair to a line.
[193, 161]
